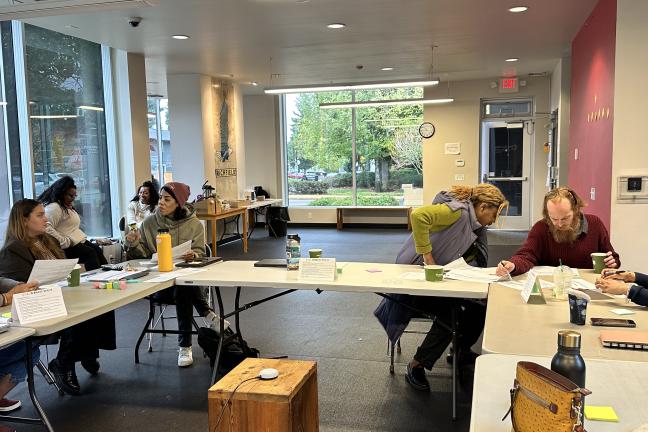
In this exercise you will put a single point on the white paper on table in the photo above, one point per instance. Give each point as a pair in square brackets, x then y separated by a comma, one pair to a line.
[48, 271]
[622, 311]
[519, 285]
[41, 304]
[322, 269]
[549, 270]
[583, 284]
[420, 276]
[167, 276]
[459, 263]
[475, 274]
[176, 251]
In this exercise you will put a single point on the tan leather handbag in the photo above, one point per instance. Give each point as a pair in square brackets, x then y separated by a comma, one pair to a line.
[545, 401]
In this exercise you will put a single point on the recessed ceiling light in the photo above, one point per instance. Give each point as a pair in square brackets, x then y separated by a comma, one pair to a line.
[180, 37]
[302, 1]
[388, 68]
[512, 59]
[336, 25]
[254, 83]
[518, 9]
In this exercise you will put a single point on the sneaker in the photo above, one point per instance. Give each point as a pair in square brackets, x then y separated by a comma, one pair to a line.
[416, 378]
[8, 405]
[214, 323]
[185, 356]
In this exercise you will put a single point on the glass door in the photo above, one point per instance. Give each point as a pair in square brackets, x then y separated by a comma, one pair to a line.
[506, 163]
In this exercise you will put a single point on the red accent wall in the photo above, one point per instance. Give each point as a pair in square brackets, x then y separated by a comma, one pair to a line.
[592, 109]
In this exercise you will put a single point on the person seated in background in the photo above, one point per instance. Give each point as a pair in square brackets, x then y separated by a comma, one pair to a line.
[27, 241]
[617, 283]
[174, 214]
[143, 204]
[565, 236]
[65, 224]
[12, 357]
[454, 226]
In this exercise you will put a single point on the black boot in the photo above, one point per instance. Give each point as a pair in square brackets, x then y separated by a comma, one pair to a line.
[65, 377]
[91, 365]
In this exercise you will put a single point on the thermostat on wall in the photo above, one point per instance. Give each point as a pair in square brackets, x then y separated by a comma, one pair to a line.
[632, 189]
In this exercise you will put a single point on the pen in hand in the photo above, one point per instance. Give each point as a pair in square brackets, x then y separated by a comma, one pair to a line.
[507, 272]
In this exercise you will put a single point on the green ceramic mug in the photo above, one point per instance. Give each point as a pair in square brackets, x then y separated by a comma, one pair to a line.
[434, 273]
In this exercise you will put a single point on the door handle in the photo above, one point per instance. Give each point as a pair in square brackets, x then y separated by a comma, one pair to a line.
[506, 178]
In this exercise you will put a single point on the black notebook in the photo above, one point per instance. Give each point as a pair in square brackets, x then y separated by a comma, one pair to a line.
[199, 262]
[271, 262]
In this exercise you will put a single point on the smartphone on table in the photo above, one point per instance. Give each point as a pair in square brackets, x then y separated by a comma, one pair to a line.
[613, 322]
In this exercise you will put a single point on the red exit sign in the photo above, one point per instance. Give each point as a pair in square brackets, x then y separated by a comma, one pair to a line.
[508, 85]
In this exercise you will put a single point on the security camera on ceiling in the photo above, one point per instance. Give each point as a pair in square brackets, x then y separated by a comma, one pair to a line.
[134, 21]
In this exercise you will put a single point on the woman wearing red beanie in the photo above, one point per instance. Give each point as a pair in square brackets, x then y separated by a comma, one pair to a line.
[174, 214]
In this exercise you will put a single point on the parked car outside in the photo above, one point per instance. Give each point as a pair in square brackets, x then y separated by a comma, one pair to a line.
[297, 176]
[314, 175]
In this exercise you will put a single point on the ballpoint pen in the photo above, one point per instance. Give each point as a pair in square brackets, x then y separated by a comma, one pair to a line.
[507, 272]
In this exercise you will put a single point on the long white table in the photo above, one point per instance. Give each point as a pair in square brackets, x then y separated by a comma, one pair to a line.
[382, 279]
[15, 334]
[619, 384]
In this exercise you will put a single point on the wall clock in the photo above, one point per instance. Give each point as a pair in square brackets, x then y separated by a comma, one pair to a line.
[426, 130]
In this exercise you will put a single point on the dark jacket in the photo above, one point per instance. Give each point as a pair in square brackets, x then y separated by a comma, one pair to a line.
[16, 260]
[449, 245]
[639, 293]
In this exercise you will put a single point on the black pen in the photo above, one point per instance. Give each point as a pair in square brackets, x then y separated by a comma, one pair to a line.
[613, 272]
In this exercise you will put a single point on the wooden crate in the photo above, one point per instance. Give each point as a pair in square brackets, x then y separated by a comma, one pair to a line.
[285, 404]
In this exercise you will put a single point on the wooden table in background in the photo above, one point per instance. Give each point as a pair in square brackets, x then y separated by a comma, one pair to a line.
[213, 219]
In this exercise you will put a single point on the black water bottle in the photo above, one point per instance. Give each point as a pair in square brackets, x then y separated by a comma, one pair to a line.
[568, 361]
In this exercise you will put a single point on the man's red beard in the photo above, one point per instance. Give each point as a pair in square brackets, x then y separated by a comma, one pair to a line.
[566, 234]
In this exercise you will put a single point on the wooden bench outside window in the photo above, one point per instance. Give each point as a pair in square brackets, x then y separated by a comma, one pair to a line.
[373, 209]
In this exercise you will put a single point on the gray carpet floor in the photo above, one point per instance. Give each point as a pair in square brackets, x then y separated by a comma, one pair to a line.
[338, 330]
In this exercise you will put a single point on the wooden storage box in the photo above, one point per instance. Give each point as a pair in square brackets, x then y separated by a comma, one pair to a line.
[240, 203]
[286, 404]
[208, 206]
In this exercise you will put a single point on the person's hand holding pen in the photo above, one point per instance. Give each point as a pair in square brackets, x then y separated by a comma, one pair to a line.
[505, 268]
[621, 275]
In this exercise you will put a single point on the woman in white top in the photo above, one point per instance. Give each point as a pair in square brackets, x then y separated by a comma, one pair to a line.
[142, 204]
[65, 224]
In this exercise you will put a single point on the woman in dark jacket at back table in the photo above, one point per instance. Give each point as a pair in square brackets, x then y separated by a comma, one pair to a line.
[26, 241]
[612, 282]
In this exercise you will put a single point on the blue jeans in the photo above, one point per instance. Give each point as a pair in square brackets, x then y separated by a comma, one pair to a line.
[12, 361]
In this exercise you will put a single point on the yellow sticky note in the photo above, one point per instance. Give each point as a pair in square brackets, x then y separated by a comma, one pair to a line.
[600, 413]
[6, 315]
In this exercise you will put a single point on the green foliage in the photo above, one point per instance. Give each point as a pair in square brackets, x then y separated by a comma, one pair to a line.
[371, 200]
[306, 187]
[405, 176]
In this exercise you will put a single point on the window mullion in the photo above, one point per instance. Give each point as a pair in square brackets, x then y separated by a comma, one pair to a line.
[353, 151]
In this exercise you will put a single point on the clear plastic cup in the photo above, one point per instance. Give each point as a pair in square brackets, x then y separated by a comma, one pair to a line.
[562, 278]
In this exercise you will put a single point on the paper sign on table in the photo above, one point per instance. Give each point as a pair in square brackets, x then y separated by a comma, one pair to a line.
[41, 304]
[48, 271]
[322, 269]
[530, 285]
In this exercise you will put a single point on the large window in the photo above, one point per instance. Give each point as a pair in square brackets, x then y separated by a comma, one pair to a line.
[376, 148]
[67, 121]
[159, 139]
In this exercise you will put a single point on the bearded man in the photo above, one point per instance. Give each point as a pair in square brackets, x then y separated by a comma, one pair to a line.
[565, 234]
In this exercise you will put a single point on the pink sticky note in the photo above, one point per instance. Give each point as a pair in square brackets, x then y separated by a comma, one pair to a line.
[374, 270]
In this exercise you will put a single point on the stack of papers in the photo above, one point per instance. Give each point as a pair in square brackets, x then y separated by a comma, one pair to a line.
[475, 274]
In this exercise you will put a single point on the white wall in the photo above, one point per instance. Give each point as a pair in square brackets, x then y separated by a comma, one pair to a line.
[628, 221]
[262, 147]
[459, 121]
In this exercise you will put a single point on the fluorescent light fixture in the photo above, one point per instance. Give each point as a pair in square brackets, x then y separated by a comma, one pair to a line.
[512, 59]
[359, 86]
[388, 102]
[518, 9]
[336, 25]
[53, 116]
[388, 68]
[180, 37]
[90, 107]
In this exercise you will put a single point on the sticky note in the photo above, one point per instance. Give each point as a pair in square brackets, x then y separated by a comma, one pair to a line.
[6, 315]
[622, 311]
[601, 413]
